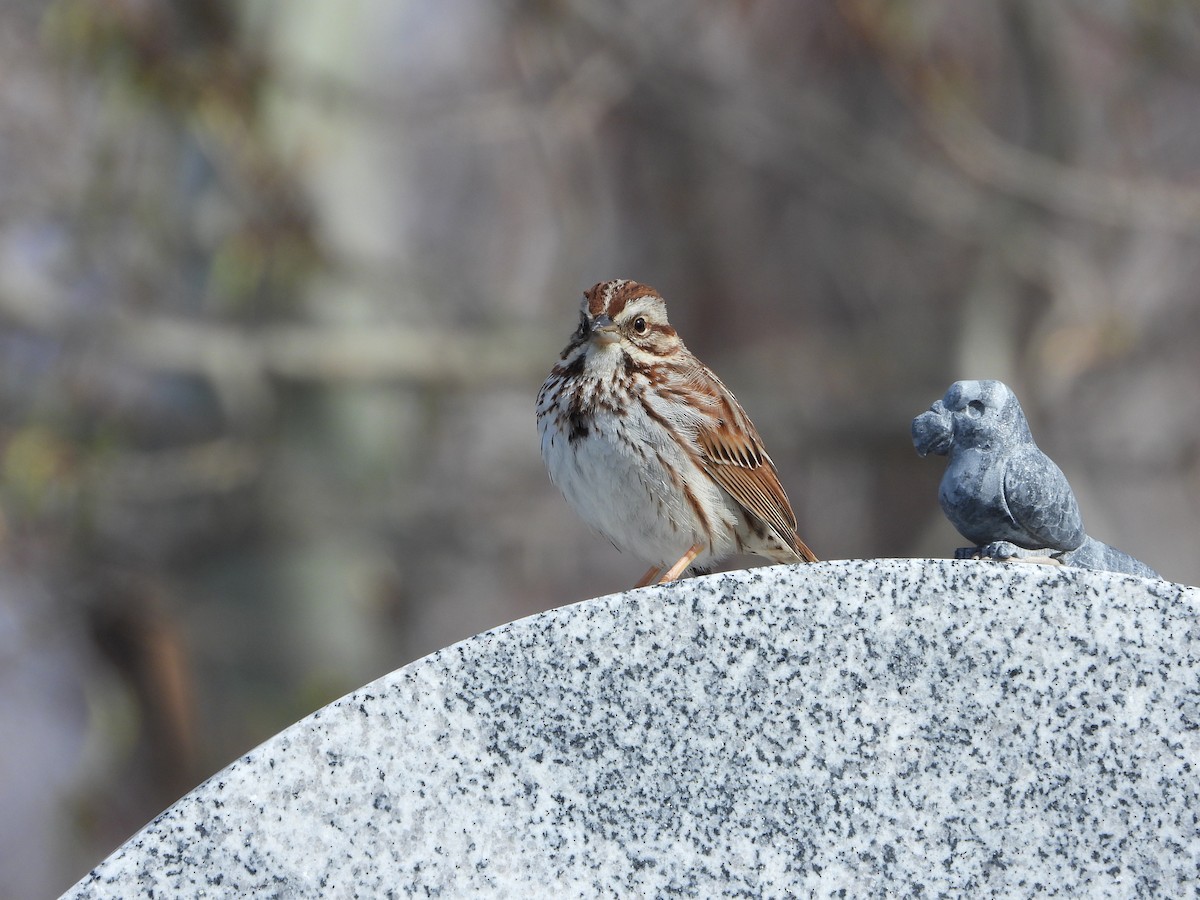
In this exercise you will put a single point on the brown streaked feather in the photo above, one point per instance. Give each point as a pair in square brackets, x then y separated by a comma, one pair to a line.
[612, 296]
[732, 453]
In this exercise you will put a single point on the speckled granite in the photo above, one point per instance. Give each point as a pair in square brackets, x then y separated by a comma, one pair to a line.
[898, 727]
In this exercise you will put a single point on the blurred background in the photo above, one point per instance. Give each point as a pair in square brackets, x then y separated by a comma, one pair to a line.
[279, 283]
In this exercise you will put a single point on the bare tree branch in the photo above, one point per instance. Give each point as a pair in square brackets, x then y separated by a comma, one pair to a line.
[1105, 198]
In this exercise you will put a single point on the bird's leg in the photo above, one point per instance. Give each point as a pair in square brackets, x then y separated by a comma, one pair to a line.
[684, 561]
[648, 577]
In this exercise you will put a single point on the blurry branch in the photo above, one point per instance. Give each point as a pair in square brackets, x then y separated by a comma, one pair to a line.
[220, 466]
[788, 131]
[1040, 175]
[186, 66]
[765, 125]
[1067, 189]
[785, 131]
[131, 621]
[775, 126]
[305, 353]
[302, 353]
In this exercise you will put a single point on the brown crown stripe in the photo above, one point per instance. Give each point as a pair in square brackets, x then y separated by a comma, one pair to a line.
[611, 296]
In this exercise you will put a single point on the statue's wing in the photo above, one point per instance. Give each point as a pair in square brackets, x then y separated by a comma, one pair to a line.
[1041, 501]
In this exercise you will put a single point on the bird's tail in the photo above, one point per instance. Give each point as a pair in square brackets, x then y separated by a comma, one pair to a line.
[802, 548]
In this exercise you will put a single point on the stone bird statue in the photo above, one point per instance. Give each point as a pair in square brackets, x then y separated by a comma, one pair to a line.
[1000, 491]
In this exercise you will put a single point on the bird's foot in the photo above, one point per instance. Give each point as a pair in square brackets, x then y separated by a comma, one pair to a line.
[1006, 551]
[649, 577]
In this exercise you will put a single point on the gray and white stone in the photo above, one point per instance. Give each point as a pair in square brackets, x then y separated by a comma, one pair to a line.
[1000, 490]
[898, 728]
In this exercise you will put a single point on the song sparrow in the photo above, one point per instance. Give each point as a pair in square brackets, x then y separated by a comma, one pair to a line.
[651, 449]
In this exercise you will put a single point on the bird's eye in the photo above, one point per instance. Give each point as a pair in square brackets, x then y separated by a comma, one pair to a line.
[975, 409]
[639, 325]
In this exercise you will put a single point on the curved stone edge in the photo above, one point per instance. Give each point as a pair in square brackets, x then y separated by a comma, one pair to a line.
[179, 845]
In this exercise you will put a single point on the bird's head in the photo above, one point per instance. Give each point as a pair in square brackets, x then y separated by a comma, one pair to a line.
[973, 414]
[625, 319]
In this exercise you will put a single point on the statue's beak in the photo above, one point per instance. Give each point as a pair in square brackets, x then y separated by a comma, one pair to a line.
[932, 431]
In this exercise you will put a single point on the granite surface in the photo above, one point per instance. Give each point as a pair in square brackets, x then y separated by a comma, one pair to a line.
[894, 727]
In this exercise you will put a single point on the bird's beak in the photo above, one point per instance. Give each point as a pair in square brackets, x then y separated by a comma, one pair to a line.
[932, 432]
[604, 331]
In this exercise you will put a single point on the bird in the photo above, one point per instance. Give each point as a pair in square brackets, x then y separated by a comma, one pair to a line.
[652, 450]
[1000, 490]
[998, 485]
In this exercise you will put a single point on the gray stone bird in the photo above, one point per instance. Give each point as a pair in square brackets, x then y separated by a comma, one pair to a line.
[1000, 491]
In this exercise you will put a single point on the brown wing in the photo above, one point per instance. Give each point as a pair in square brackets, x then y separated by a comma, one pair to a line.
[732, 452]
